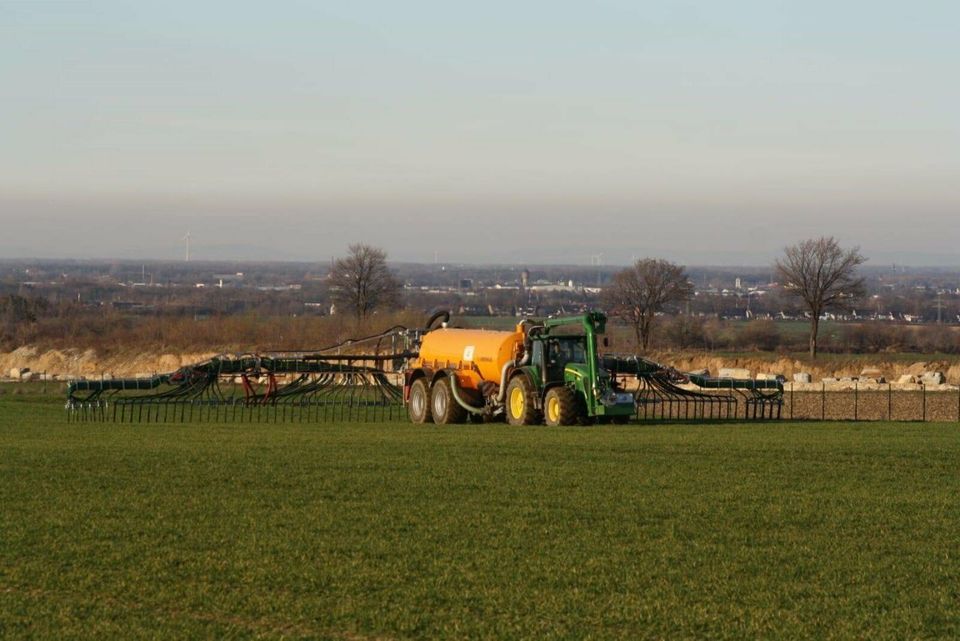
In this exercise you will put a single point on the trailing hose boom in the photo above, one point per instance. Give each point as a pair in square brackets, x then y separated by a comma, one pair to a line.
[548, 371]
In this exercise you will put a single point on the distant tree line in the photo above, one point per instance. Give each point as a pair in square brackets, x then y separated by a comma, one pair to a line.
[651, 301]
[818, 272]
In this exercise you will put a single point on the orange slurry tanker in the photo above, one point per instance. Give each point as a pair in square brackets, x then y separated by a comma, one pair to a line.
[539, 372]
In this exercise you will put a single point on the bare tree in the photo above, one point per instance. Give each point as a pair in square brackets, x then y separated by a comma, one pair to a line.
[361, 281]
[638, 292]
[823, 275]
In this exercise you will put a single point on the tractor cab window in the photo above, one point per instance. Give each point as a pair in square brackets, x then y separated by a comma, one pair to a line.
[563, 350]
[536, 354]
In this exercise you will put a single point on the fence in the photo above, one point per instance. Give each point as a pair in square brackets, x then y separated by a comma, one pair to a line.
[337, 396]
[340, 399]
[877, 403]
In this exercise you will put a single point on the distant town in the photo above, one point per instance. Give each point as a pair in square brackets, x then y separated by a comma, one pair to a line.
[897, 294]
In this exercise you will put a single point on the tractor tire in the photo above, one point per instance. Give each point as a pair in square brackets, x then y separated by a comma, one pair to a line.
[521, 397]
[418, 405]
[561, 406]
[444, 406]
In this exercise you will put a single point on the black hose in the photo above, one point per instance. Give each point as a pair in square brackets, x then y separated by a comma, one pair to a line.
[443, 313]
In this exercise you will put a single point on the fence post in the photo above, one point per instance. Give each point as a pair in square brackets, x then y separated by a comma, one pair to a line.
[923, 395]
[889, 401]
[823, 401]
[794, 384]
[856, 400]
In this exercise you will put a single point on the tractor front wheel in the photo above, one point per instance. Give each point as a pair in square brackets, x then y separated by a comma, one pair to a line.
[561, 406]
[520, 402]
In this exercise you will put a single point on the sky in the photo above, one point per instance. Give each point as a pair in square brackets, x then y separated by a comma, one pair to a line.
[518, 132]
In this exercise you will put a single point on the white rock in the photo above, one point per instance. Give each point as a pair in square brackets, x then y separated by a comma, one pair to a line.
[802, 377]
[906, 379]
[766, 377]
[933, 378]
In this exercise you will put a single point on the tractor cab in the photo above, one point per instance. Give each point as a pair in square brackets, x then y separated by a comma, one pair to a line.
[554, 353]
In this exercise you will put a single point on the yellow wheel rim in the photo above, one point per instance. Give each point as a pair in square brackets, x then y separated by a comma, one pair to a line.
[553, 409]
[517, 402]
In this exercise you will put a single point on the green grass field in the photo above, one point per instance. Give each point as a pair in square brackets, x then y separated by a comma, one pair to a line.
[398, 531]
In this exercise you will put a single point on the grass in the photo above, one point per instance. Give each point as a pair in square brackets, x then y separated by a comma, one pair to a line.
[399, 531]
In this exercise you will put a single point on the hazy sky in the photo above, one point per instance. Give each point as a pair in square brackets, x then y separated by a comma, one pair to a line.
[705, 132]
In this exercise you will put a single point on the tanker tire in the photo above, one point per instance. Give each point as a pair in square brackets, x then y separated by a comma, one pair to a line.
[561, 406]
[418, 407]
[444, 406]
[520, 402]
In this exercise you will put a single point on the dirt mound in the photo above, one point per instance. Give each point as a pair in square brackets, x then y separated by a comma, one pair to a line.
[77, 362]
[828, 366]
[129, 363]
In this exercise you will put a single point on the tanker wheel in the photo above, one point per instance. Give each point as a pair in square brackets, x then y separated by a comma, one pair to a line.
[445, 408]
[418, 407]
[520, 402]
[561, 406]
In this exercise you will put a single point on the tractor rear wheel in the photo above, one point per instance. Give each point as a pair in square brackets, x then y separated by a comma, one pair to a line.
[521, 409]
[445, 408]
[418, 406]
[561, 406]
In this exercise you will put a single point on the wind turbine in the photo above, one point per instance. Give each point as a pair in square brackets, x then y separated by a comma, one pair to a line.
[186, 239]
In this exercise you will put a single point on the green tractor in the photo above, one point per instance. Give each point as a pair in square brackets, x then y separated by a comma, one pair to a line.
[561, 380]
